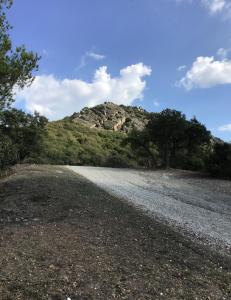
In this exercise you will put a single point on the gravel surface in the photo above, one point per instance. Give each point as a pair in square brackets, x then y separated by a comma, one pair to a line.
[62, 237]
[198, 206]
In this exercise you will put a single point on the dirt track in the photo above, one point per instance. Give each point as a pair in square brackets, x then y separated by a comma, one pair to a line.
[62, 237]
[199, 206]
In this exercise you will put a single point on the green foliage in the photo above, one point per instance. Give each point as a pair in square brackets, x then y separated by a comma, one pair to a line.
[8, 153]
[67, 142]
[16, 65]
[196, 135]
[115, 160]
[19, 132]
[24, 130]
[188, 142]
[168, 139]
[166, 130]
[172, 141]
[219, 162]
[180, 142]
[144, 149]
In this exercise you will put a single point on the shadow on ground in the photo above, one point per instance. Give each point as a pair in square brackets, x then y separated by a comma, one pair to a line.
[61, 236]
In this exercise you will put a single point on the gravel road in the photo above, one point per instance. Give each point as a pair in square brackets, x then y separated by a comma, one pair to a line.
[200, 207]
[62, 237]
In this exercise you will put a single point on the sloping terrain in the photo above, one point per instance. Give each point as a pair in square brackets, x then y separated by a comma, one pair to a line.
[67, 142]
[62, 237]
[197, 205]
[94, 136]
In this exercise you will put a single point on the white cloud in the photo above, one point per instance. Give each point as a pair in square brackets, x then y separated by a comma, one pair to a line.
[95, 56]
[207, 72]
[226, 127]
[181, 68]
[156, 103]
[223, 53]
[214, 6]
[57, 98]
[92, 55]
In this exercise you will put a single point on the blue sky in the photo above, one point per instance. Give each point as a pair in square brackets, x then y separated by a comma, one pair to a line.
[158, 54]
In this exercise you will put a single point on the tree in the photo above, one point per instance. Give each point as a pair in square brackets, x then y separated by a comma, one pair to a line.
[196, 135]
[8, 153]
[17, 130]
[219, 162]
[142, 146]
[195, 147]
[166, 130]
[16, 64]
[24, 130]
[180, 142]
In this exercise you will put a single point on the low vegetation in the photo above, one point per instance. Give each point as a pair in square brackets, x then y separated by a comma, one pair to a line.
[122, 137]
[19, 132]
[219, 160]
[66, 142]
[168, 140]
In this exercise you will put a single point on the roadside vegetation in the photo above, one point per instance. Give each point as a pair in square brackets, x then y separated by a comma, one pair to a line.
[66, 142]
[168, 140]
[19, 132]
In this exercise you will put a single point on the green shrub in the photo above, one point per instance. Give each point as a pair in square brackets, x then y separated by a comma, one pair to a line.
[8, 152]
[66, 142]
[117, 161]
[219, 162]
[194, 163]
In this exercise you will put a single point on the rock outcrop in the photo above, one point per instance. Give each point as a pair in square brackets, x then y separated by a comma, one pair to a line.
[114, 117]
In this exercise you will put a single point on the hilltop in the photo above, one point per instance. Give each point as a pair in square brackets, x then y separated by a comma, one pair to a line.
[94, 136]
[110, 116]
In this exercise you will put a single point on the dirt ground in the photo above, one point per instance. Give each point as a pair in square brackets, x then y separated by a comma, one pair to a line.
[61, 237]
[196, 205]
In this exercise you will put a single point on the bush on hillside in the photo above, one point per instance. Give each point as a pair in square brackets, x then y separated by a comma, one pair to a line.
[117, 161]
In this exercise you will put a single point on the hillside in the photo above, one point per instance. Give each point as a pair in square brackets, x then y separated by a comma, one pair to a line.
[103, 136]
[94, 136]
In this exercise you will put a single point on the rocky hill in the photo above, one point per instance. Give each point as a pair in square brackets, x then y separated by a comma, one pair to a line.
[94, 136]
[114, 117]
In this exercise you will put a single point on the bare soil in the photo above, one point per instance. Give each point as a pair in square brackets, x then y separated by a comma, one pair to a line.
[62, 237]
